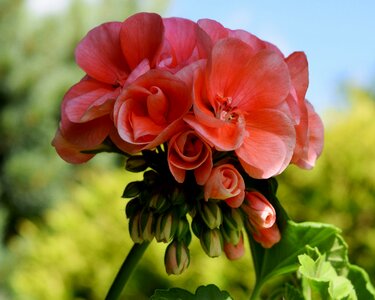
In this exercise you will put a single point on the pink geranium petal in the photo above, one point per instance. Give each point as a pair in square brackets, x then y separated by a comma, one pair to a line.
[141, 38]
[86, 135]
[89, 99]
[69, 152]
[268, 149]
[214, 29]
[315, 139]
[181, 35]
[228, 59]
[298, 70]
[263, 82]
[99, 54]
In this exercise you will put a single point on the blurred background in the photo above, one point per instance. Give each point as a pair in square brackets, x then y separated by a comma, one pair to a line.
[62, 227]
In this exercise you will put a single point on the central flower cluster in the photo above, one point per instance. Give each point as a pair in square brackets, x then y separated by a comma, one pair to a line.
[223, 105]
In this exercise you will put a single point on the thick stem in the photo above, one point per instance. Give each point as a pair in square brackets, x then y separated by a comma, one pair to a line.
[126, 270]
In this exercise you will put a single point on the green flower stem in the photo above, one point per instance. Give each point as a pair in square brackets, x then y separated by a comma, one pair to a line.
[126, 270]
[256, 263]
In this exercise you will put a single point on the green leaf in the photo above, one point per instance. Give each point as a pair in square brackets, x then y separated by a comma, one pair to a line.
[292, 293]
[172, 294]
[283, 257]
[361, 282]
[211, 292]
[320, 280]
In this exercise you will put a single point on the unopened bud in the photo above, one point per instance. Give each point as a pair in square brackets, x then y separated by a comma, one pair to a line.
[233, 219]
[132, 207]
[146, 225]
[267, 237]
[211, 214]
[178, 196]
[212, 242]
[230, 235]
[134, 229]
[133, 189]
[182, 228]
[165, 228]
[136, 163]
[234, 251]
[159, 202]
[197, 225]
[259, 210]
[177, 258]
[150, 177]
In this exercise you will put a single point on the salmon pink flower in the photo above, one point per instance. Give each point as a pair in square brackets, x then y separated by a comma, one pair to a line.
[268, 237]
[239, 101]
[113, 55]
[259, 211]
[150, 110]
[225, 183]
[187, 151]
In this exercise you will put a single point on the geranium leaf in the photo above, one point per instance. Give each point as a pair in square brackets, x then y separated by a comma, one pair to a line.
[361, 282]
[283, 257]
[211, 292]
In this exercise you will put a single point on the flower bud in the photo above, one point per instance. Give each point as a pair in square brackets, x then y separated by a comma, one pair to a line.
[165, 228]
[178, 196]
[177, 258]
[230, 235]
[234, 251]
[260, 212]
[211, 214]
[267, 237]
[134, 230]
[150, 177]
[136, 163]
[146, 229]
[159, 202]
[182, 228]
[212, 242]
[133, 189]
[133, 206]
[233, 219]
[225, 183]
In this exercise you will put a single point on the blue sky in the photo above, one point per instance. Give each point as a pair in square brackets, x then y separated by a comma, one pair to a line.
[337, 36]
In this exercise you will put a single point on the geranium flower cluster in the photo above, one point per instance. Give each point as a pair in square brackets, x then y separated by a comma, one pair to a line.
[206, 110]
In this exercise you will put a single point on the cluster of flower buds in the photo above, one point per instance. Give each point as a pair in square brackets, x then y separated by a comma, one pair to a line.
[219, 210]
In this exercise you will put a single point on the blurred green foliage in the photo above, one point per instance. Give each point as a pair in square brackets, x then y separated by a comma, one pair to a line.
[70, 226]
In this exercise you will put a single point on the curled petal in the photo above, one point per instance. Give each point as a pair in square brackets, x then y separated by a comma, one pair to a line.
[150, 110]
[225, 183]
[259, 210]
[186, 151]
